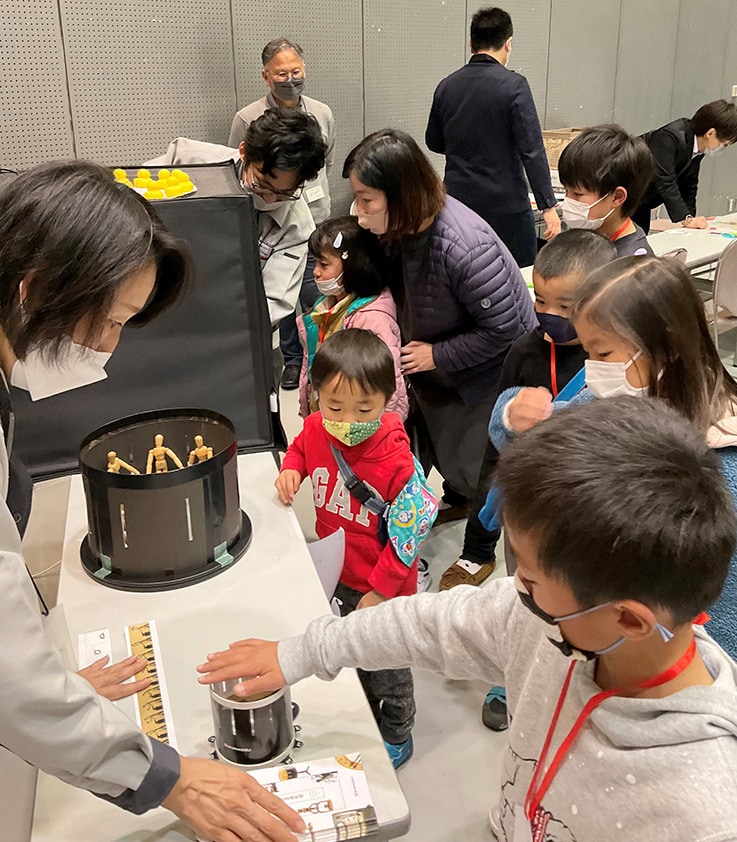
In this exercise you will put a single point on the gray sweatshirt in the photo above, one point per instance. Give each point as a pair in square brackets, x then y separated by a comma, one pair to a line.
[640, 769]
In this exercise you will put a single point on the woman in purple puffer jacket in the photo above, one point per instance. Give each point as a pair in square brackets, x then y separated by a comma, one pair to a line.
[461, 302]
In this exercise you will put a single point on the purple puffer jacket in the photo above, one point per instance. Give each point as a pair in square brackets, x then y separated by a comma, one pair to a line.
[465, 294]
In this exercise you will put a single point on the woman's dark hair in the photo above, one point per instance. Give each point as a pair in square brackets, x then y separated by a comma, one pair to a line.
[286, 139]
[624, 500]
[651, 302]
[74, 236]
[574, 252]
[359, 357]
[719, 115]
[490, 28]
[603, 158]
[391, 161]
[359, 249]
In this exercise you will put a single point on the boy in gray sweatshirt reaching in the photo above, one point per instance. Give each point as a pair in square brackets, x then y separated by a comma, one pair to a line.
[623, 710]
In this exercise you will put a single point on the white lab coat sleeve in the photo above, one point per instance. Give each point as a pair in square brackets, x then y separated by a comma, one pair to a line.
[53, 718]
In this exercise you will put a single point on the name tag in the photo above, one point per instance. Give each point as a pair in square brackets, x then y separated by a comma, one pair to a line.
[312, 194]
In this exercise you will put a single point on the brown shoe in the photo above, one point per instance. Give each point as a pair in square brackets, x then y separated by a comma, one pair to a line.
[450, 514]
[464, 572]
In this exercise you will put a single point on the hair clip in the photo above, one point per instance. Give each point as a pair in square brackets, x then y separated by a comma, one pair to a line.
[338, 240]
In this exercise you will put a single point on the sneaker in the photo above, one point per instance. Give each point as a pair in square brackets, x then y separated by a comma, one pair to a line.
[464, 572]
[290, 377]
[448, 514]
[424, 579]
[494, 712]
[399, 753]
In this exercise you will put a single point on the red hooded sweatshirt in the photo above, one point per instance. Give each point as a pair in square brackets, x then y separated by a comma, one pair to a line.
[384, 462]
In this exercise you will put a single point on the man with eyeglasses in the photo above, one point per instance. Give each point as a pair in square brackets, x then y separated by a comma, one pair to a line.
[282, 152]
[284, 74]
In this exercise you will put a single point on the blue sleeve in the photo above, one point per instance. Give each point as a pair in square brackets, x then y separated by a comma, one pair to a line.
[156, 785]
[498, 433]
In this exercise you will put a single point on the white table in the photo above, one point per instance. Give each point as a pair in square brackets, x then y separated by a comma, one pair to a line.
[271, 592]
[702, 245]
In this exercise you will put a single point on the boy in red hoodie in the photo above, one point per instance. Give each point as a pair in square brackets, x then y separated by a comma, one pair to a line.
[353, 376]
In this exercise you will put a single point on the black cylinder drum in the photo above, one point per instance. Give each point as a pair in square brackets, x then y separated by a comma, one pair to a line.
[162, 530]
[252, 731]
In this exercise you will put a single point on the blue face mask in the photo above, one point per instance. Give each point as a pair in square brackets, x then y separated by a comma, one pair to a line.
[558, 328]
[555, 635]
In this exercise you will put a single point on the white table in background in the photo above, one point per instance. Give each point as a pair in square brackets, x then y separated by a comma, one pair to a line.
[271, 592]
[702, 245]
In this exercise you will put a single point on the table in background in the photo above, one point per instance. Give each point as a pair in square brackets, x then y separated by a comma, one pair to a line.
[271, 592]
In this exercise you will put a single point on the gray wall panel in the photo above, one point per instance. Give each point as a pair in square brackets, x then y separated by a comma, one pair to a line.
[35, 125]
[648, 34]
[408, 49]
[142, 72]
[582, 63]
[333, 61]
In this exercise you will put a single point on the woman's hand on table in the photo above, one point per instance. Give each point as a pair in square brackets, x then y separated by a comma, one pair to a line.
[223, 804]
[416, 357]
[108, 680]
[527, 408]
[287, 485]
[243, 659]
[368, 600]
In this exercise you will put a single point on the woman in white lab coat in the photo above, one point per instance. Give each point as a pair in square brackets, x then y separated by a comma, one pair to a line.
[80, 258]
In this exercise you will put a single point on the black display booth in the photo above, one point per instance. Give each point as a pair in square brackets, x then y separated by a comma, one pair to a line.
[211, 350]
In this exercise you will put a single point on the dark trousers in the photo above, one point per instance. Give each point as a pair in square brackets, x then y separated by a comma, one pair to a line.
[390, 693]
[517, 232]
[641, 217]
[478, 544]
[289, 343]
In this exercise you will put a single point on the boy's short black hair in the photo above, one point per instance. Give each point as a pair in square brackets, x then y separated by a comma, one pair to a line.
[364, 266]
[719, 115]
[625, 500]
[574, 252]
[286, 139]
[360, 357]
[604, 157]
[490, 28]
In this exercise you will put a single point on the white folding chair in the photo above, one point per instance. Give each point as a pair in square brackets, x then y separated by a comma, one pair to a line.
[328, 555]
[721, 311]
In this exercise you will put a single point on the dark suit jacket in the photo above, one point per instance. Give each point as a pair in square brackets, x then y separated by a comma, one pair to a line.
[677, 177]
[483, 119]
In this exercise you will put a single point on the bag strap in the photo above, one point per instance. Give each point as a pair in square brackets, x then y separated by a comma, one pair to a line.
[357, 487]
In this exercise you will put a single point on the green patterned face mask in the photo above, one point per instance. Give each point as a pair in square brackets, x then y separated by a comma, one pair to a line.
[351, 432]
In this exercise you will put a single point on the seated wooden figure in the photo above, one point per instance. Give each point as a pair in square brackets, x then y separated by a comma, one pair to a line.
[114, 464]
[157, 457]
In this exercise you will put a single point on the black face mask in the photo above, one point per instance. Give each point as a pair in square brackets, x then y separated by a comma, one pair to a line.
[558, 328]
[553, 632]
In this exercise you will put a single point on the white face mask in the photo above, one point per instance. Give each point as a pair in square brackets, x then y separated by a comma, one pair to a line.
[330, 286]
[260, 204]
[605, 379]
[76, 366]
[377, 223]
[576, 214]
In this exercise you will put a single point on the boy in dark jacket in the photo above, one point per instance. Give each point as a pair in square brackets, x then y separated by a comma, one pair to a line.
[549, 356]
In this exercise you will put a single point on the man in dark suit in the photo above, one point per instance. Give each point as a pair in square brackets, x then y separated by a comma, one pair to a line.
[483, 119]
[679, 148]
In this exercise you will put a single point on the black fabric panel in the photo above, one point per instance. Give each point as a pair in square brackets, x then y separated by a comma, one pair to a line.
[212, 350]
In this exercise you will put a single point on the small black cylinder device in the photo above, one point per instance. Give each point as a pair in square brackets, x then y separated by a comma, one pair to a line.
[252, 731]
[151, 532]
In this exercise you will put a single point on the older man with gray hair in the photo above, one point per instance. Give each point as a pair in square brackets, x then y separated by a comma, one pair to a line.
[284, 74]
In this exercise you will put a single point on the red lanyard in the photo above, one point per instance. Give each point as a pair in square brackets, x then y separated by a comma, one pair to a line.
[553, 373]
[321, 327]
[536, 793]
[618, 233]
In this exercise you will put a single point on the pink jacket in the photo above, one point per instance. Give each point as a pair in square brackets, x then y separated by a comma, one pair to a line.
[380, 317]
